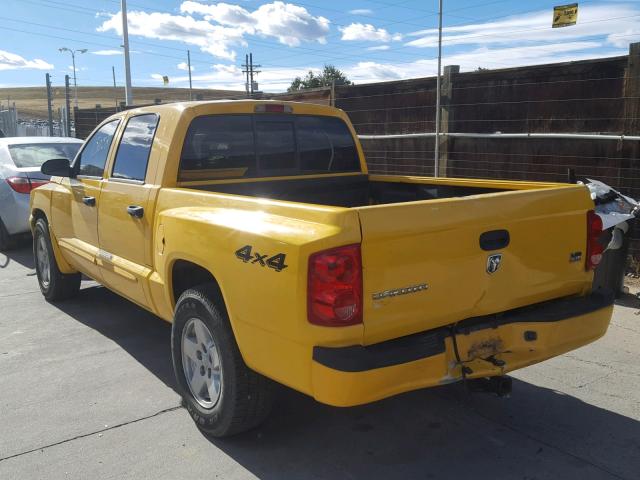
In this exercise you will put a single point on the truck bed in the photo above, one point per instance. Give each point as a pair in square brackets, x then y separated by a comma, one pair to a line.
[355, 190]
[411, 237]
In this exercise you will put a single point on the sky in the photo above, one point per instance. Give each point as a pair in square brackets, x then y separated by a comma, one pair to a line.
[369, 40]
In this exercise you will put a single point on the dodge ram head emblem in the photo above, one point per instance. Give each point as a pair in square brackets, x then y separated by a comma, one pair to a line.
[493, 262]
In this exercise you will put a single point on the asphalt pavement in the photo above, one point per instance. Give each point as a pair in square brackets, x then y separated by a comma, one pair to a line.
[87, 392]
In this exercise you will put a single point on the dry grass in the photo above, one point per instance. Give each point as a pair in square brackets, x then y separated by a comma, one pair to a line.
[31, 102]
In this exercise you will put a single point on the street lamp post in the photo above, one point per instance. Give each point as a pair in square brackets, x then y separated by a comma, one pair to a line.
[73, 60]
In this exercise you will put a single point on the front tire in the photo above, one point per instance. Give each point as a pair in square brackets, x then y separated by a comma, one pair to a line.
[223, 396]
[54, 284]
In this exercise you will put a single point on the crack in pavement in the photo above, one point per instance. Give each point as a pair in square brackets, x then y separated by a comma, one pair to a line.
[590, 362]
[536, 439]
[19, 294]
[113, 427]
[626, 328]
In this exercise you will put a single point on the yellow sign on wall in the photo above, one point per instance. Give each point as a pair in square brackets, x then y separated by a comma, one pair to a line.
[565, 15]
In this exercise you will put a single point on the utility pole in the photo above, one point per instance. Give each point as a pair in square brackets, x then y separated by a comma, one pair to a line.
[436, 158]
[75, 80]
[189, 65]
[245, 65]
[249, 71]
[252, 71]
[128, 93]
[49, 104]
[115, 88]
[67, 103]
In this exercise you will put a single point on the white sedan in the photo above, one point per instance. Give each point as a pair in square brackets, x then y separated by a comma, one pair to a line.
[20, 161]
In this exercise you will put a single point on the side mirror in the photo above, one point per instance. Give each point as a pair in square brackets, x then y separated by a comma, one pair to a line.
[57, 167]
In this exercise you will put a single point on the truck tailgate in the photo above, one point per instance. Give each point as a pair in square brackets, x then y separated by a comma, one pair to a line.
[424, 267]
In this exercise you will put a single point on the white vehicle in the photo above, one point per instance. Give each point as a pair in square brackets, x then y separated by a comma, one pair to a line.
[20, 161]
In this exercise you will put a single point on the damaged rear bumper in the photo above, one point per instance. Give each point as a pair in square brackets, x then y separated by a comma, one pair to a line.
[484, 346]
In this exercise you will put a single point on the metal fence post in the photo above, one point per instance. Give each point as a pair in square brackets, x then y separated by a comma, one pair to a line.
[632, 91]
[446, 117]
[49, 104]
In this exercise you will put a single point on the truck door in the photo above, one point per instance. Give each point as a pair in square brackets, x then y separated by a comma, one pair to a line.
[74, 206]
[125, 212]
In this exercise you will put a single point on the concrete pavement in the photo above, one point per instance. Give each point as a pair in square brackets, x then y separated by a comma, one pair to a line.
[87, 391]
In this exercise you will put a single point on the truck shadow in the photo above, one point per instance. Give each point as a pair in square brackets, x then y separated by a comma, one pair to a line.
[442, 433]
[141, 334]
[436, 433]
[628, 300]
[21, 254]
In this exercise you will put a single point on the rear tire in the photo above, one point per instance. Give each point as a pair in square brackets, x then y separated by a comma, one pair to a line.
[6, 241]
[241, 399]
[54, 284]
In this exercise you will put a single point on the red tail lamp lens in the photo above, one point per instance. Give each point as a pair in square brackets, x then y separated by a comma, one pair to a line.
[24, 184]
[594, 247]
[334, 287]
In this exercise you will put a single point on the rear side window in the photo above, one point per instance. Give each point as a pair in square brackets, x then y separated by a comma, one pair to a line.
[94, 154]
[235, 146]
[134, 149]
[219, 146]
[326, 145]
[34, 155]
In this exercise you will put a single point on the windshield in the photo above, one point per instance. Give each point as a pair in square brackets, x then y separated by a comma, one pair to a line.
[35, 154]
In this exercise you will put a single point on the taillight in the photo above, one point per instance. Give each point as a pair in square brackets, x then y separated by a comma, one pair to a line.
[334, 288]
[594, 247]
[24, 184]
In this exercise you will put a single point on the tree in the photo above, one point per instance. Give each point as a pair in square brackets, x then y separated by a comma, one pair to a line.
[328, 75]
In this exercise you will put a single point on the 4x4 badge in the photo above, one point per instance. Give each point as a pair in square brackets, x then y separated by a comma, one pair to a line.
[493, 262]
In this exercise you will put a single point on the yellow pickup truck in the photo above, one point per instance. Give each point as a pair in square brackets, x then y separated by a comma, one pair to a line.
[255, 228]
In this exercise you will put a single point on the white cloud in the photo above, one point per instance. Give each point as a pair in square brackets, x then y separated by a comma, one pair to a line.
[361, 11]
[213, 39]
[364, 72]
[107, 52]
[78, 69]
[12, 61]
[221, 13]
[220, 27]
[184, 66]
[610, 20]
[290, 23]
[379, 47]
[367, 32]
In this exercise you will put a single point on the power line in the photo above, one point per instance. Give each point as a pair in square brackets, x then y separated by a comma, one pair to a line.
[269, 45]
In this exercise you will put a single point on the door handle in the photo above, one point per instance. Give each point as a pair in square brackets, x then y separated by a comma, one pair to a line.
[89, 201]
[135, 211]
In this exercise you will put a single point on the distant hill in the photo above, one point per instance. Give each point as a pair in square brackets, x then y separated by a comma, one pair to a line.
[31, 102]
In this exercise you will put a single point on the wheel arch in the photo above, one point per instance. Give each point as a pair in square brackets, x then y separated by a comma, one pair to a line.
[36, 214]
[186, 274]
[63, 266]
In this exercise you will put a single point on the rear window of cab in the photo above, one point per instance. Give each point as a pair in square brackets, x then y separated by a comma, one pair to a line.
[266, 145]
